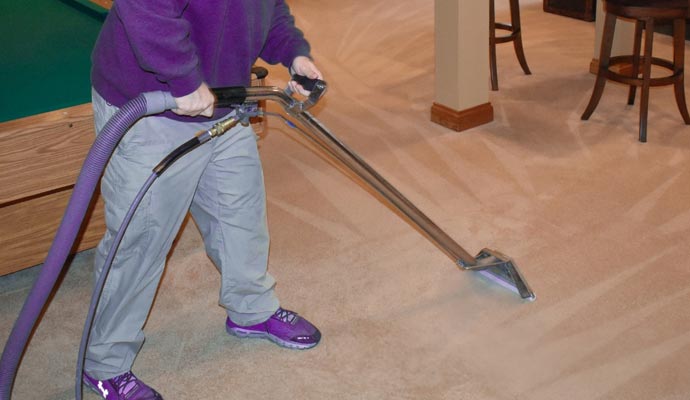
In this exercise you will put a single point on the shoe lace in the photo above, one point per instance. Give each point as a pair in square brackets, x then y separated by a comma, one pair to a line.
[126, 383]
[286, 316]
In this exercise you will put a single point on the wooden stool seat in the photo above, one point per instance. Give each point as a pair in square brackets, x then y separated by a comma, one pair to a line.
[645, 13]
[514, 35]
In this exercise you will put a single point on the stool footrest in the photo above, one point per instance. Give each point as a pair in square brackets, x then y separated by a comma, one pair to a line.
[636, 81]
[514, 32]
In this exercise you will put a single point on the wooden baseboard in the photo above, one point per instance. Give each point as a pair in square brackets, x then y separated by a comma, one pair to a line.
[594, 66]
[464, 119]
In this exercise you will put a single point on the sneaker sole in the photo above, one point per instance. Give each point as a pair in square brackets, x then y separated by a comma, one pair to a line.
[243, 333]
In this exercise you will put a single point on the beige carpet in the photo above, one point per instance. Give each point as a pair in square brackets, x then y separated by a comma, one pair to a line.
[598, 223]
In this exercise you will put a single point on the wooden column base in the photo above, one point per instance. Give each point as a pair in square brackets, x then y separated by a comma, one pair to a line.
[464, 119]
[594, 66]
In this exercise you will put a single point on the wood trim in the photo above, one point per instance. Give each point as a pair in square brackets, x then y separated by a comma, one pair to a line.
[594, 66]
[28, 229]
[107, 4]
[43, 153]
[464, 119]
[40, 159]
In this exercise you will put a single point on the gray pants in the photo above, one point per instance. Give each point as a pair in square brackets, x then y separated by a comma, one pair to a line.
[221, 182]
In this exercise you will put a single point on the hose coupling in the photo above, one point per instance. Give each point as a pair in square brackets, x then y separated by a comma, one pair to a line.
[223, 126]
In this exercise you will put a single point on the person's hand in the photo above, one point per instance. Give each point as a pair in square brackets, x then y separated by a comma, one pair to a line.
[199, 102]
[302, 65]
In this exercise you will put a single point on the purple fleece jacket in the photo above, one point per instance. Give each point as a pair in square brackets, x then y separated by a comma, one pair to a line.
[174, 45]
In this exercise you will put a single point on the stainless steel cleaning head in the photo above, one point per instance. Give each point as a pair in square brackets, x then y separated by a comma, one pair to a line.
[502, 270]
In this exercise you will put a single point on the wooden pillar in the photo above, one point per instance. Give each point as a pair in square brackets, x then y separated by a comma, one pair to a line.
[622, 40]
[462, 64]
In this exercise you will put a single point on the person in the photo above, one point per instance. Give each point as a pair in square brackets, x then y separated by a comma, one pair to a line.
[184, 47]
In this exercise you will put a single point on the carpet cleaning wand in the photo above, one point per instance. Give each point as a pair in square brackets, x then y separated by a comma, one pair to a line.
[489, 263]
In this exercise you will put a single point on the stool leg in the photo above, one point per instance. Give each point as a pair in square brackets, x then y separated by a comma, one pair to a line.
[646, 77]
[517, 29]
[492, 46]
[604, 57]
[678, 67]
[636, 61]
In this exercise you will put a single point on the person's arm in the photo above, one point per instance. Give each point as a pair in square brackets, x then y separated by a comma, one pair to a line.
[284, 42]
[159, 38]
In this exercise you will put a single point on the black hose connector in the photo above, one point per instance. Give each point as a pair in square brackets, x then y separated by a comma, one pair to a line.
[181, 150]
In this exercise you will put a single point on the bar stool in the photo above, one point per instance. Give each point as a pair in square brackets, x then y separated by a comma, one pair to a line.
[645, 14]
[514, 36]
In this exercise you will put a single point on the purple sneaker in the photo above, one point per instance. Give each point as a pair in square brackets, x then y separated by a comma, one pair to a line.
[122, 387]
[285, 328]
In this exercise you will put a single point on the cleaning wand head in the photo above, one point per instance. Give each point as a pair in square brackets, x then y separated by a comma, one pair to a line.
[502, 270]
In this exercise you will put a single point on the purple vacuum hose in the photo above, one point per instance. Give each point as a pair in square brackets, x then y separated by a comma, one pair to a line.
[94, 164]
